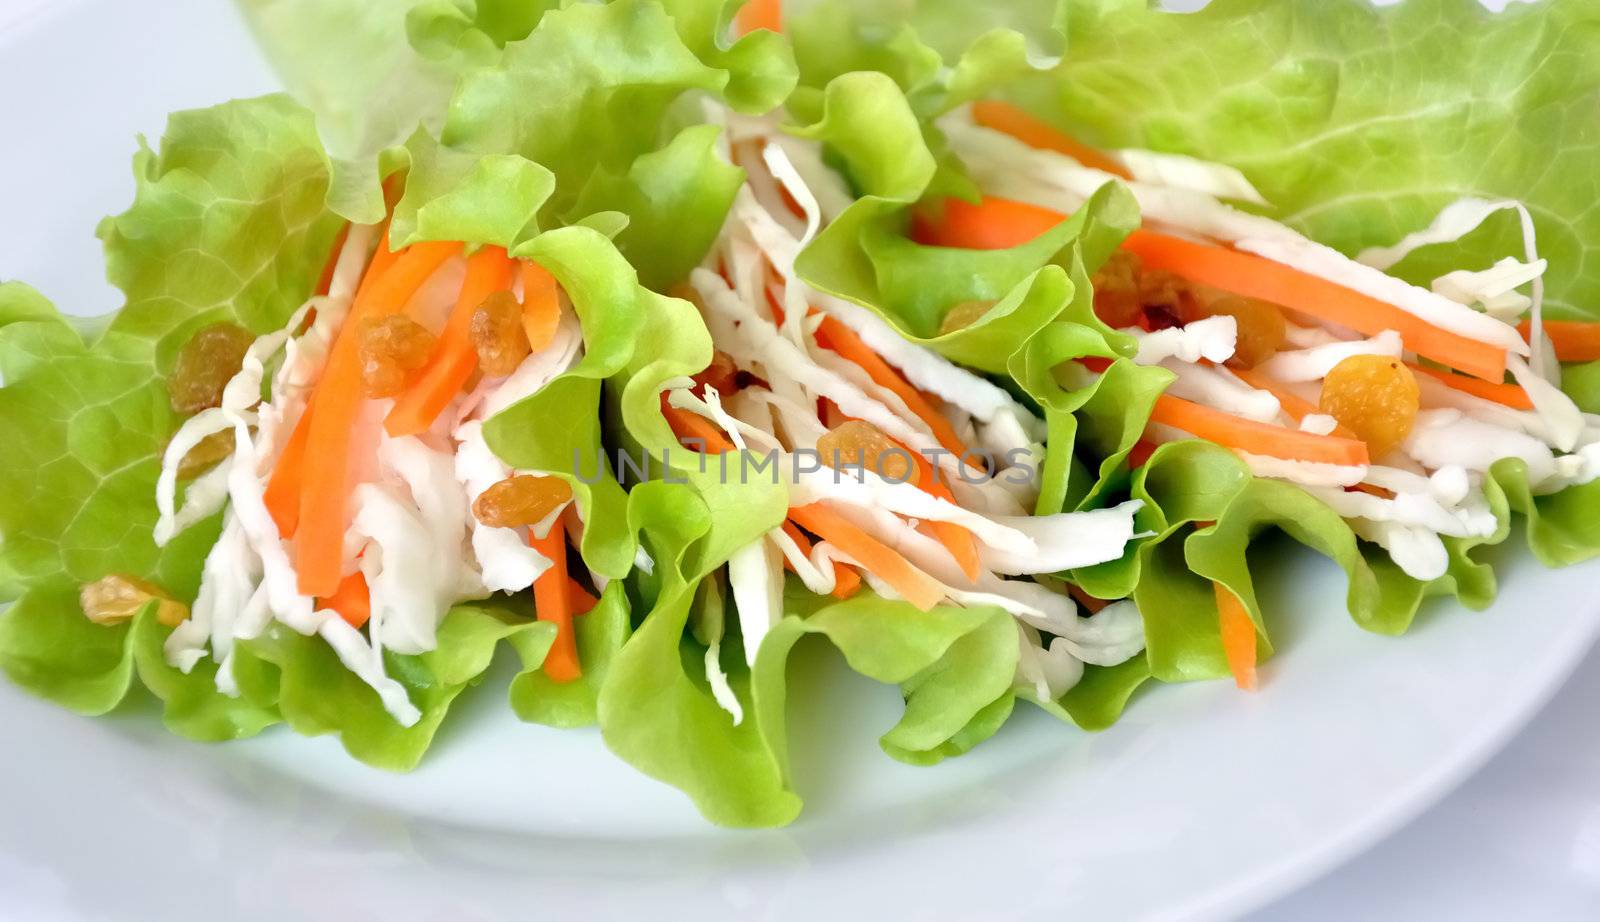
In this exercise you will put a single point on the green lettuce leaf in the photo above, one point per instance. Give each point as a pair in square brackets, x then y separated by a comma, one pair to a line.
[600, 634]
[303, 679]
[656, 713]
[1358, 123]
[984, 45]
[1205, 510]
[227, 223]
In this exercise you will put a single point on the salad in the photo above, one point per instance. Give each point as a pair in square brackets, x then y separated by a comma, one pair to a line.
[648, 337]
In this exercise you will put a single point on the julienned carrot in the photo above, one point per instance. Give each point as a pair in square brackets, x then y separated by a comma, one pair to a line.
[352, 600]
[325, 281]
[282, 495]
[759, 14]
[1238, 637]
[382, 259]
[991, 224]
[1510, 395]
[692, 427]
[583, 601]
[842, 340]
[1574, 340]
[284, 487]
[551, 603]
[846, 581]
[1257, 438]
[324, 498]
[541, 305]
[1089, 602]
[1011, 120]
[1255, 277]
[1140, 453]
[454, 358]
[960, 542]
[1293, 404]
[915, 586]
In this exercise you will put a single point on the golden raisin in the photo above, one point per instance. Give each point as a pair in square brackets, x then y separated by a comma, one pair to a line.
[721, 374]
[963, 315]
[861, 445]
[1376, 397]
[498, 335]
[205, 365]
[206, 453]
[1117, 299]
[1166, 298]
[524, 499]
[116, 598]
[393, 346]
[1261, 327]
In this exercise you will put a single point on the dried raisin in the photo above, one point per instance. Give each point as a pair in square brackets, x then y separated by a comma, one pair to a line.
[524, 499]
[207, 453]
[1167, 299]
[1117, 291]
[393, 347]
[1374, 396]
[498, 335]
[206, 363]
[116, 598]
[861, 445]
[1260, 323]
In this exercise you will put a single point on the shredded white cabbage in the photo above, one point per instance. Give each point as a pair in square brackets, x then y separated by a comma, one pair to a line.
[1305, 473]
[1212, 339]
[1215, 387]
[755, 576]
[1314, 363]
[1003, 165]
[1495, 288]
[1182, 172]
[721, 691]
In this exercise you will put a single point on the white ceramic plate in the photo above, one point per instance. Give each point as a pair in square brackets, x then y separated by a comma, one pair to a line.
[1203, 802]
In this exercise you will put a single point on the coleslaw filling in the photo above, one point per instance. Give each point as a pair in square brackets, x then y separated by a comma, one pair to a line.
[1431, 487]
[412, 534]
[767, 322]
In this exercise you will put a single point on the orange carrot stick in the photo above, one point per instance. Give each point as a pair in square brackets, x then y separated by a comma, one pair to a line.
[759, 14]
[551, 603]
[991, 224]
[283, 488]
[324, 499]
[541, 305]
[325, 281]
[583, 601]
[282, 494]
[1089, 602]
[1293, 404]
[694, 427]
[846, 581]
[454, 358]
[1574, 340]
[1511, 395]
[960, 542]
[352, 600]
[1255, 277]
[841, 339]
[1238, 637]
[1256, 438]
[382, 259]
[1011, 120]
[914, 586]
